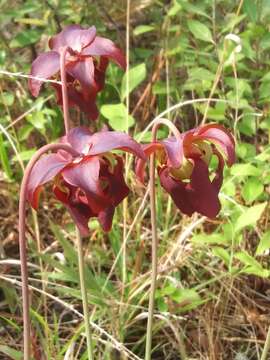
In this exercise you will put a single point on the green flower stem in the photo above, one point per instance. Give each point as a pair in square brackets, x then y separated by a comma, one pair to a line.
[174, 130]
[23, 245]
[64, 88]
[84, 297]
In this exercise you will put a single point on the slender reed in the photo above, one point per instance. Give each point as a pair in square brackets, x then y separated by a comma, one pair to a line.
[84, 297]
[22, 240]
[64, 88]
[156, 124]
[266, 346]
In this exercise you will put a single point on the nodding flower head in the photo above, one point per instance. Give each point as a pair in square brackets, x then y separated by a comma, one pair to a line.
[91, 184]
[183, 167]
[86, 62]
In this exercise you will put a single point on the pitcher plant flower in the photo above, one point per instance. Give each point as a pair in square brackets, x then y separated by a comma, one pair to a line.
[183, 167]
[86, 61]
[91, 184]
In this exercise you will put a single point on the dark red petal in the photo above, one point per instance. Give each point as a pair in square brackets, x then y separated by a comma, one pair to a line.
[178, 190]
[141, 163]
[76, 98]
[84, 72]
[79, 211]
[43, 171]
[105, 47]
[221, 137]
[174, 150]
[104, 141]
[117, 188]
[204, 194]
[218, 179]
[85, 176]
[105, 218]
[73, 36]
[44, 66]
[79, 138]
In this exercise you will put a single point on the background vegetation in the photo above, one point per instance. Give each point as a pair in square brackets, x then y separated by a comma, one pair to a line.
[213, 290]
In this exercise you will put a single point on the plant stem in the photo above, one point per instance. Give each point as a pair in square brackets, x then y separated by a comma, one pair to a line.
[22, 241]
[174, 130]
[64, 87]
[266, 346]
[84, 297]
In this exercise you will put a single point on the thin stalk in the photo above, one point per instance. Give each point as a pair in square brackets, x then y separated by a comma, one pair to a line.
[84, 297]
[174, 130]
[64, 87]
[266, 346]
[22, 241]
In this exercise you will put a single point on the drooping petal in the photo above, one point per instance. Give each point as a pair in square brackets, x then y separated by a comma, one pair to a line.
[100, 70]
[79, 138]
[105, 218]
[76, 98]
[45, 169]
[178, 190]
[104, 141]
[44, 66]
[175, 152]
[204, 194]
[73, 36]
[116, 188]
[141, 163]
[221, 137]
[84, 72]
[105, 47]
[78, 209]
[85, 176]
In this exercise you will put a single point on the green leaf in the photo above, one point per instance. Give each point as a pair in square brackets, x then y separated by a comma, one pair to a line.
[4, 157]
[200, 31]
[205, 239]
[252, 265]
[245, 170]
[250, 216]
[137, 74]
[116, 114]
[25, 38]
[142, 29]
[12, 353]
[222, 254]
[252, 189]
[185, 296]
[250, 8]
[264, 244]
[6, 98]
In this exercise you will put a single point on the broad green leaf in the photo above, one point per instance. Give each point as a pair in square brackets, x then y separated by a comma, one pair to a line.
[252, 265]
[25, 38]
[264, 243]
[250, 8]
[245, 170]
[252, 189]
[185, 296]
[116, 114]
[142, 29]
[200, 31]
[11, 353]
[250, 216]
[25, 155]
[137, 74]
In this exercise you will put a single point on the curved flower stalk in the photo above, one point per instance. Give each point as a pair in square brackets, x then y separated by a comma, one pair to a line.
[86, 61]
[22, 240]
[183, 169]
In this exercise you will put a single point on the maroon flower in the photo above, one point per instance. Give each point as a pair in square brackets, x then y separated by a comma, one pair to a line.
[183, 167]
[86, 63]
[91, 184]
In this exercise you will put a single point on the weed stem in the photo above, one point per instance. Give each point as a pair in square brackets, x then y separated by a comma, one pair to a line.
[84, 297]
[174, 130]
